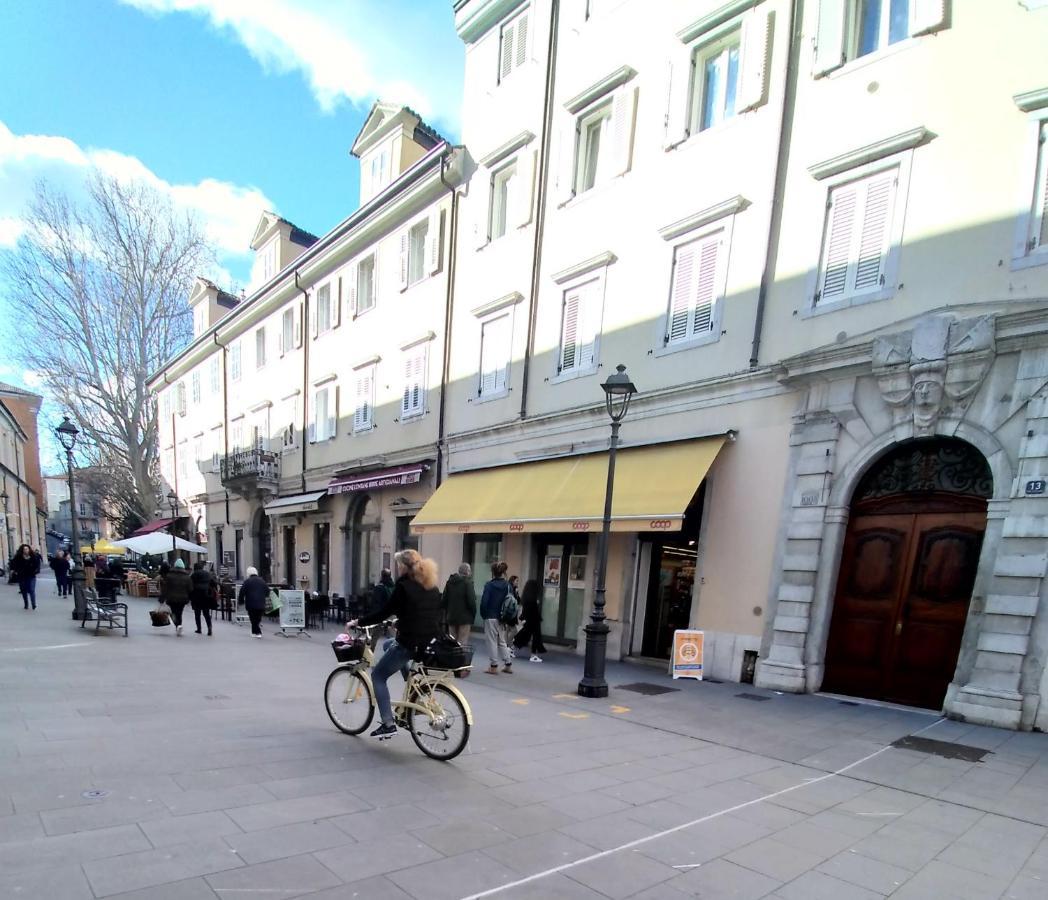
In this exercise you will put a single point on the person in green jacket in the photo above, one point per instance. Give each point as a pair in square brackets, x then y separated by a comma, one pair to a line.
[460, 602]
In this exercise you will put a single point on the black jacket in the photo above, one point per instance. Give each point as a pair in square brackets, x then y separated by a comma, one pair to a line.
[419, 612]
[254, 592]
[25, 567]
[175, 587]
[460, 599]
[202, 585]
[61, 566]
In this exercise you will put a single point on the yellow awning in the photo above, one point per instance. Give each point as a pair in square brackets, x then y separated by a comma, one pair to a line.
[104, 547]
[653, 487]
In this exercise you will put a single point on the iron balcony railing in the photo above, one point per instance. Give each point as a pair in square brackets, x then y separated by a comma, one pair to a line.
[257, 465]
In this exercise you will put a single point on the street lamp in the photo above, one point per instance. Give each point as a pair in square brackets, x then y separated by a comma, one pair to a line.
[67, 434]
[7, 523]
[172, 501]
[618, 391]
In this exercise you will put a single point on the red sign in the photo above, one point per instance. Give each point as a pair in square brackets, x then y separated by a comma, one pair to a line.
[580, 526]
[660, 525]
[516, 526]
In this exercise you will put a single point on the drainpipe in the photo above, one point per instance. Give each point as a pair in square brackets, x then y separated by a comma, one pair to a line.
[449, 303]
[785, 136]
[305, 376]
[225, 421]
[542, 179]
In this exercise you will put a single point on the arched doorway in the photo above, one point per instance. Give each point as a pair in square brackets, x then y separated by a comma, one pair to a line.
[263, 535]
[907, 572]
[363, 537]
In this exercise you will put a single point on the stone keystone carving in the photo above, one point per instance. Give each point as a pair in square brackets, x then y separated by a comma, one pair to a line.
[936, 368]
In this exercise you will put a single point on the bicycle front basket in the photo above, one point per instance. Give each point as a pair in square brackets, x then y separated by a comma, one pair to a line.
[447, 653]
[351, 652]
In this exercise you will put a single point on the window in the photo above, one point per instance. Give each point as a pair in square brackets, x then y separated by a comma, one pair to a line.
[180, 398]
[269, 262]
[364, 292]
[260, 430]
[217, 450]
[413, 401]
[325, 413]
[167, 466]
[287, 329]
[879, 23]
[214, 374]
[364, 399]
[183, 463]
[857, 237]
[83, 509]
[1037, 229]
[165, 405]
[580, 325]
[716, 69]
[236, 435]
[234, 361]
[494, 356]
[260, 347]
[198, 452]
[695, 291]
[592, 165]
[323, 313]
[513, 44]
[195, 386]
[198, 320]
[501, 193]
[417, 251]
[288, 420]
[378, 170]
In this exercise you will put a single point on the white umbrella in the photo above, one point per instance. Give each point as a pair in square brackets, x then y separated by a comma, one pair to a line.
[158, 542]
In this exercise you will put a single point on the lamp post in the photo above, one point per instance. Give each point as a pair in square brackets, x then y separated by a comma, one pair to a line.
[172, 501]
[7, 525]
[618, 391]
[67, 434]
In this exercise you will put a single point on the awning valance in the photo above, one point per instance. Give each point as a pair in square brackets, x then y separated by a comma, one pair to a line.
[653, 487]
[152, 526]
[295, 503]
[379, 478]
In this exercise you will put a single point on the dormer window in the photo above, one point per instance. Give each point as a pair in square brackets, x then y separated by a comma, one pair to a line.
[269, 262]
[379, 170]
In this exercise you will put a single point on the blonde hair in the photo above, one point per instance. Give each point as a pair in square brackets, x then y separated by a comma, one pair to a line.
[423, 571]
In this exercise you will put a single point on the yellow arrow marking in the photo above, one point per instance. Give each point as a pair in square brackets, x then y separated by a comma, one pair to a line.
[568, 715]
[620, 709]
[520, 702]
[565, 696]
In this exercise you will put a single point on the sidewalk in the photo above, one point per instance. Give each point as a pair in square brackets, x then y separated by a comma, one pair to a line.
[182, 769]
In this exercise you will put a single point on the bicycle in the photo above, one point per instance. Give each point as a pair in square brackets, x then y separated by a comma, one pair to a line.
[433, 710]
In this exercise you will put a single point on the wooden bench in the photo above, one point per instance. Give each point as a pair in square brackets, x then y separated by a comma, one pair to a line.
[111, 611]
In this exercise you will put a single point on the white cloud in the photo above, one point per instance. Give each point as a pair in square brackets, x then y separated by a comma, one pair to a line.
[405, 52]
[228, 212]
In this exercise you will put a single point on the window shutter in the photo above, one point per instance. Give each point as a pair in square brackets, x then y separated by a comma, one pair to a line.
[681, 294]
[494, 363]
[332, 420]
[482, 211]
[521, 54]
[434, 241]
[755, 65]
[927, 16]
[314, 319]
[840, 221]
[829, 37]
[587, 329]
[623, 116]
[298, 324]
[351, 299]
[522, 188]
[706, 285]
[1039, 223]
[566, 146]
[336, 305]
[506, 60]
[404, 241]
[678, 94]
[569, 333]
[872, 251]
[360, 409]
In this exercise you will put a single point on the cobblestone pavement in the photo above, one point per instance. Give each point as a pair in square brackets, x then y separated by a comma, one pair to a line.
[183, 769]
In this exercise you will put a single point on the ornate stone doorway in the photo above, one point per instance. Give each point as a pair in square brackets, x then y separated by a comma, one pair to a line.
[907, 572]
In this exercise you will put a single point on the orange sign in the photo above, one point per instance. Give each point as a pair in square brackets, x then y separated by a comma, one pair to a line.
[687, 654]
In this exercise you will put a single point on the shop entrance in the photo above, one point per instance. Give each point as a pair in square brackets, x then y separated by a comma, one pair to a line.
[321, 535]
[562, 566]
[363, 535]
[289, 556]
[907, 573]
[480, 551]
[263, 544]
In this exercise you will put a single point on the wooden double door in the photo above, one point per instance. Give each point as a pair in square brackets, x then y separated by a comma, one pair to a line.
[903, 591]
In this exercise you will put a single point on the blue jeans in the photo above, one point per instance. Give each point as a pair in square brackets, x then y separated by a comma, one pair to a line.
[27, 588]
[396, 657]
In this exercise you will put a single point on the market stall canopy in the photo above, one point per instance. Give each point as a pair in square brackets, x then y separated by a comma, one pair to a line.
[152, 526]
[295, 503]
[105, 548]
[159, 543]
[653, 487]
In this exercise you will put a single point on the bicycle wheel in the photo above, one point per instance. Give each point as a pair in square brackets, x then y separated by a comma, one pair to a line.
[348, 700]
[443, 736]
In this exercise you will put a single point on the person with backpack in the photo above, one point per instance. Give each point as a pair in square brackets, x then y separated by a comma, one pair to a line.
[531, 613]
[498, 607]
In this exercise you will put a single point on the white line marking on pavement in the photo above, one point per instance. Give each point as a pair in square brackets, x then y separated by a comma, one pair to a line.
[651, 837]
[878, 814]
[47, 647]
[691, 866]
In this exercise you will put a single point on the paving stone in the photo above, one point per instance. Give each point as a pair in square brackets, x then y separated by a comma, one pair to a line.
[287, 840]
[866, 872]
[903, 845]
[200, 800]
[622, 874]
[817, 886]
[539, 852]
[283, 877]
[158, 867]
[453, 877]
[365, 826]
[377, 888]
[724, 880]
[301, 809]
[774, 859]
[102, 814]
[378, 857]
[1027, 887]
[453, 838]
[65, 882]
[940, 880]
[72, 848]
[191, 889]
[196, 827]
[821, 842]
[587, 806]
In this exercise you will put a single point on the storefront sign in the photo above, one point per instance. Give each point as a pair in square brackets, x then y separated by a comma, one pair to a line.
[371, 480]
[1035, 486]
[293, 609]
[686, 661]
[227, 557]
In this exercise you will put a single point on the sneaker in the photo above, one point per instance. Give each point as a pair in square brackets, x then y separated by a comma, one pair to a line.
[209, 634]
[492, 670]
[178, 630]
[257, 636]
[197, 631]
[535, 658]
[384, 732]
[508, 669]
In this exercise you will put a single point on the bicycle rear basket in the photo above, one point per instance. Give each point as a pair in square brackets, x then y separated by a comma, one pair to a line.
[447, 653]
[351, 652]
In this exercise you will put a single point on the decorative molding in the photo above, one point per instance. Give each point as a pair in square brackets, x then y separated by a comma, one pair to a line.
[364, 363]
[492, 306]
[603, 87]
[485, 14]
[325, 379]
[1028, 101]
[421, 339]
[511, 146]
[294, 393]
[871, 153]
[258, 407]
[718, 17]
[584, 267]
[703, 217]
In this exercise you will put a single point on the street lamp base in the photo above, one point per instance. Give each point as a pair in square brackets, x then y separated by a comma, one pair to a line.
[593, 683]
[593, 689]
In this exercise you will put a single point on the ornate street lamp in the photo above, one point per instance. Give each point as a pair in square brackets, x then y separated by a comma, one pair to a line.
[67, 434]
[4, 497]
[618, 391]
[172, 501]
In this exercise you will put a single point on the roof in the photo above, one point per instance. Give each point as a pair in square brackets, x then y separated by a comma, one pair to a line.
[224, 297]
[6, 388]
[299, 235]
[423, 134]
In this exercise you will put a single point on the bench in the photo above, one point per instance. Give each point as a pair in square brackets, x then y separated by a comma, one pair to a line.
[102, 610]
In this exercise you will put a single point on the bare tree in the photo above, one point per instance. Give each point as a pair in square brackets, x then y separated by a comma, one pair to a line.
[99, 288]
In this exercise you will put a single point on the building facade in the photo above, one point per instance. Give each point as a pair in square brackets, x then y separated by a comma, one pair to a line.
[22, 502]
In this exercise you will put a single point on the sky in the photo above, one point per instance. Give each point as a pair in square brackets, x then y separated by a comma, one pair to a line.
[230, 106]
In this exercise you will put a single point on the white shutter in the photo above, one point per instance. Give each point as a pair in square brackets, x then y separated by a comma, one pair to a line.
[522, 188]
[506, 50]
[521, 51]
[494, 355]
[926, 16]
[1038, 236]
[829, 37]
[298, 324]
[878, 196]
[482, 209]
[360, 409]
[405, 242]
[755, 65]
[569, 333]
[623, 119]
[434, 241]
[681, 294]
[588, 328]
[706, 285]
[565, 144]
[351, 298]
[678, 94]
[332, 418]
[336, 305]
[320, 415]
[840, 223]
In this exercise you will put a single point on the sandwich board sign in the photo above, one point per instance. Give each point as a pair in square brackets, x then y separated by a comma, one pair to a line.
[292, 611]
[686, 661]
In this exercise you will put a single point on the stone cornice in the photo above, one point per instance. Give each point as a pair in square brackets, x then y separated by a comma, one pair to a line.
[714, 19]
[502, 151]
[480, 15]
[703, 217]
[1028, 101]
[585, 267]
[599, 89]
[493, 306]
[907, 140]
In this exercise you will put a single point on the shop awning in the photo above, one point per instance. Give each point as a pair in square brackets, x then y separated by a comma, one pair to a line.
[152, 526]
[295, 503]
[653, 487]
[369, 481]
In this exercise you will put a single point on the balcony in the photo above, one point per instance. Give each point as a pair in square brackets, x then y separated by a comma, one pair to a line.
[251, 472]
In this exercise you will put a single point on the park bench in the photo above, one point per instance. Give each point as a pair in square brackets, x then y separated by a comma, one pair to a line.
[103, 610]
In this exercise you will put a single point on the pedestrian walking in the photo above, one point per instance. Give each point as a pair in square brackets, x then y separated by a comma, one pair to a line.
[89, 570]
[175, 591]
[25, 566]
[382, 591]
[492, 605]
[531, 613]
[512, 625]
[204, 584]
[460, 603]
[60, 564]
[254, 592]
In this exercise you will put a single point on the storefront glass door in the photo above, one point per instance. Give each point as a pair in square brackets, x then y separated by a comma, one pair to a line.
[480, 551]
[563, 568]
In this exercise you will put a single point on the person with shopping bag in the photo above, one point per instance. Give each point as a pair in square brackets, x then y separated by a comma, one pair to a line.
[254, 593]
[175, 591]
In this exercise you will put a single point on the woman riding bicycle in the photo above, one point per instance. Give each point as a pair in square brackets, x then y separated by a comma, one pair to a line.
[418, 606]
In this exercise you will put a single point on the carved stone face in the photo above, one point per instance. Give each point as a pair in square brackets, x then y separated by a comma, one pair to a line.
[928, 392]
